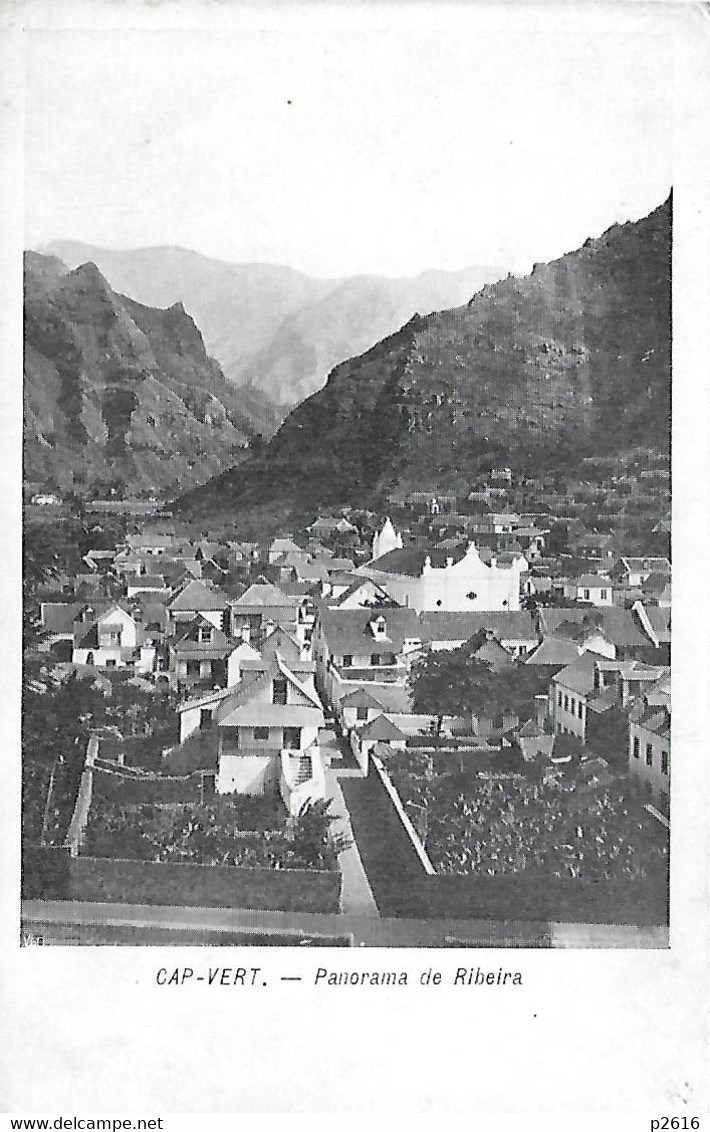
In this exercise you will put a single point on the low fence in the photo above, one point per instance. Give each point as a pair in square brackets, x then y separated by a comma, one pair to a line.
[79, 818]
[211, 886]
[403, 816]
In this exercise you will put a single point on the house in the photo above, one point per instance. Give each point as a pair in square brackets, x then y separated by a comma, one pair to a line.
[360, 593]
[197, 598]
[281, 546]
[426, 579]
[501, 476]
[200, 653]
[366, 737]
[114, 638]
[626, 629]
[358, 707]
[266, 733]
[650, 739]
[569, 640]
[485, 647]
[146, 583]
[516, 631]
[592, 686]
[198, 711]
[261, 608]
[359, 647]
[634, 571]
[594, 588]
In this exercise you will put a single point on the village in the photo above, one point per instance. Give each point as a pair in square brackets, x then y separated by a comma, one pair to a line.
[464, 686]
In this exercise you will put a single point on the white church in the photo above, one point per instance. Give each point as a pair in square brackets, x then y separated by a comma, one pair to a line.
[428, 580]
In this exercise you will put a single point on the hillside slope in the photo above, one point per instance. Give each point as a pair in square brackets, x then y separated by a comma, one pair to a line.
[274, 330]
[570, 360]
[114, 390]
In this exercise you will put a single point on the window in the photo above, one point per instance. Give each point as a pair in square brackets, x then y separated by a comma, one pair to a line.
[572, 704]
[664, 762]
[292, 738]
[559, 699]
[361, 713]
[649, 754]
[586, 595]
[637, 747]
[375, 658]
[110, 663]
[280, 691]
[204, 635]
[579, 709]
[261, 734]
[347, 661]
[566, 703]
[603, 594]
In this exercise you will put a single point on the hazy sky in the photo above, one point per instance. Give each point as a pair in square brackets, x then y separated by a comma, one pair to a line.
[341, 150]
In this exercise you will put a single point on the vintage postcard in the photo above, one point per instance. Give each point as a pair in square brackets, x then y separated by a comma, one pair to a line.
[362, 459]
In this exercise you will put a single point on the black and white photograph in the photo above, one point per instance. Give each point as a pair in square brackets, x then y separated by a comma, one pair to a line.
[347, 484]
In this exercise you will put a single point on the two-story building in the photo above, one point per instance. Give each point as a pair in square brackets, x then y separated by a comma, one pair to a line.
[650, 739]
[115, 638]
[364, 648]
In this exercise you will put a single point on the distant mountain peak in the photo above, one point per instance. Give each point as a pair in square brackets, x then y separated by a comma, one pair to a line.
[570, 360]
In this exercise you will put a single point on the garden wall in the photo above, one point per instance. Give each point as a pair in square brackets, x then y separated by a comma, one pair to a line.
[211, 886]
[641, 902]
[46, 873]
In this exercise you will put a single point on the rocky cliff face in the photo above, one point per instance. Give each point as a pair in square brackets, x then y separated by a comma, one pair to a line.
[571, 360]
[276, 332]
[115, 391]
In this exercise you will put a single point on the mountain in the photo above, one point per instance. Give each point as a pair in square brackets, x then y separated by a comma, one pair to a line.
[274, 330]
[114, 390]
[539, 371]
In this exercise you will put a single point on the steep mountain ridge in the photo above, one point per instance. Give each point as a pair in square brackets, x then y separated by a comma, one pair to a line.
[571, 360]
[115, 391]
[275, 330]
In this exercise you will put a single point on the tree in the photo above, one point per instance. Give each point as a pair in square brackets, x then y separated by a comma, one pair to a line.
[451, 683]
[456, 683]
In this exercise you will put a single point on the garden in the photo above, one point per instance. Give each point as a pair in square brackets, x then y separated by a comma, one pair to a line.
[228, 831]
[560, 823]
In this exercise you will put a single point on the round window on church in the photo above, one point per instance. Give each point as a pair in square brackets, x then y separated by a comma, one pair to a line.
[471, 596]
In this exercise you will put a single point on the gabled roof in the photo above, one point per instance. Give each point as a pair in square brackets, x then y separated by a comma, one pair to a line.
[58, 617]
[187, 643]
[360, 698]
[579, 675]
[265, 595]
[619, 626]
[197, 596]
[348, 632]
[592, 581]
[553, 651]
[382, 729]
[284, 546]
[410, 560]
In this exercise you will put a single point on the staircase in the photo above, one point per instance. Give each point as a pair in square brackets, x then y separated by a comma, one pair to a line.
[305, 770]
